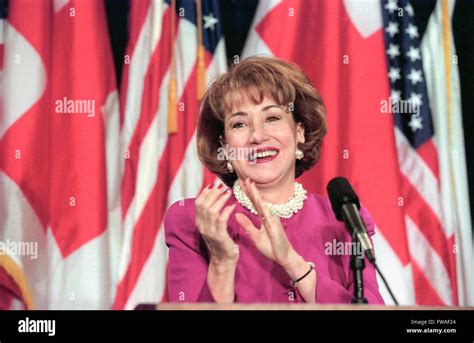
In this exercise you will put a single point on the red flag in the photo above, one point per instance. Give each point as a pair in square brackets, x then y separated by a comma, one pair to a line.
[59, 91]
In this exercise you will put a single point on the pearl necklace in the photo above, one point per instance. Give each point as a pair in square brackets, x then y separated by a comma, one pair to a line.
[285, 210]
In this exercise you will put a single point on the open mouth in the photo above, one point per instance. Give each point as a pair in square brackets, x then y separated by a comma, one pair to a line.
[264, 155]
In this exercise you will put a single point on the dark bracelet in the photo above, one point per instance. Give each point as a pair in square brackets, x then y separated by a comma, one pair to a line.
[311, 267]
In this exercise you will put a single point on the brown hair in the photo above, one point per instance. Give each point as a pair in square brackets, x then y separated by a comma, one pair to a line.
[285, 83]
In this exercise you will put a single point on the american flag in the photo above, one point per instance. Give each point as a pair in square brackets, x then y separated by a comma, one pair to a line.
[160, 104]
[430, 241]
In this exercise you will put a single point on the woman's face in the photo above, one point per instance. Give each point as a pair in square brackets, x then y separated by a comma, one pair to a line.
[268, 129]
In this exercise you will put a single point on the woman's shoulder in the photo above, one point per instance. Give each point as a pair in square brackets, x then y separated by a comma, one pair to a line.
[180, 225]
[181, 205]
[180, 216]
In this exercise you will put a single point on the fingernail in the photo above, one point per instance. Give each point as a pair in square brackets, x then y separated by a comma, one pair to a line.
[220, 186]
[228, 190]
[209, 186]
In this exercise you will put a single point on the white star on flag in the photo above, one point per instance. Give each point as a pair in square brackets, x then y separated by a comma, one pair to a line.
[413, 54]
[393, 50]
[409, 10]
[395, 95]
[391, 6]
[210, 21]
[394, 74]
[412, 31]
[392, 28]
[415, 99]
[415, 76]
[416, 123]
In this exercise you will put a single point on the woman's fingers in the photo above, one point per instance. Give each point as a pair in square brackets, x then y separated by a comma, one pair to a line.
[201, 198]
[224, 216]
[203, 202]
[258, 202]
[247, 224]
[223, 219]
[199, 206]
[254, 196]
[202, 195]
[211, 210]
[212, 196]
[219, 201]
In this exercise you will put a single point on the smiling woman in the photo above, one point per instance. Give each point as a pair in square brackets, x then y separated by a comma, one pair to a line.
[275, 87]
[263, 239]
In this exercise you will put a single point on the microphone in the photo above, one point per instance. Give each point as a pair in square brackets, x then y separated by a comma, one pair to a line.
[346, 205]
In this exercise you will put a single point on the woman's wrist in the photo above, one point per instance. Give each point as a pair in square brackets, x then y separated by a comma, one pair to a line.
[221, 279]
[223, 266]
[295, 266]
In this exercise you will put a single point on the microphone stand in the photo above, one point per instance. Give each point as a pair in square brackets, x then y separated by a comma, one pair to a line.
[345, 205]
[357, 265]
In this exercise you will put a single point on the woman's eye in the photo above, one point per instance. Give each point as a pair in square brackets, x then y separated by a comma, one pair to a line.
[273, 118]
[238, 125]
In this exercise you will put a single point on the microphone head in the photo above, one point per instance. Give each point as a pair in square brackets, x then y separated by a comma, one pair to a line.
[340, 192]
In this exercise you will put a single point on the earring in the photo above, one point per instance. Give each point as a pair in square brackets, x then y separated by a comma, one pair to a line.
[299, 154]
[229, 167]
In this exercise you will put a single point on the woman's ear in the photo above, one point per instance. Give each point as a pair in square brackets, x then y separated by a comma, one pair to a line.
[300, 133]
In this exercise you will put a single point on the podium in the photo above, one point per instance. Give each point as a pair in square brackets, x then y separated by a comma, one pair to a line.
[291, 307]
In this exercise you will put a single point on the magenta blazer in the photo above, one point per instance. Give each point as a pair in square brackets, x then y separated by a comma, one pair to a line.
[313, 232]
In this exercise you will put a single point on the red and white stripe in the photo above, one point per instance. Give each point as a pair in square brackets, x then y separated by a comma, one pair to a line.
[431, 242]
[162, 168]
[442, 81]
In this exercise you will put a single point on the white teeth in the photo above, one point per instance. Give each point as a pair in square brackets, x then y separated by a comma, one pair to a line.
[266, 153]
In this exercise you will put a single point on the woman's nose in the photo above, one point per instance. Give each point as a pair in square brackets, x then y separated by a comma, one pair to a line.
[259, 134]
